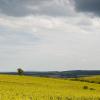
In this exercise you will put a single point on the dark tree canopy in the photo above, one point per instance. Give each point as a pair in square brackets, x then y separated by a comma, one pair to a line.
[20, 71]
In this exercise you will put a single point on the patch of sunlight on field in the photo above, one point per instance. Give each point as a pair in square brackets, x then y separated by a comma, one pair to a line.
[38, 88]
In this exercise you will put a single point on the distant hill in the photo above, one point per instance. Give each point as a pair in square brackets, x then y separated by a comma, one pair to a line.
[60, 74]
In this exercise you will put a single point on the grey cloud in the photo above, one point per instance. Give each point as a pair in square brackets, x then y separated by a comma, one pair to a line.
[89, 6]
[16, 7]
[18, 38]
[20, 8]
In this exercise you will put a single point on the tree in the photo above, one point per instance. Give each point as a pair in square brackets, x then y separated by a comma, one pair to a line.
[20, 71]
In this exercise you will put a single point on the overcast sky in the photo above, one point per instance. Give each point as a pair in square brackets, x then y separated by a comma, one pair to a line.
[41, 35]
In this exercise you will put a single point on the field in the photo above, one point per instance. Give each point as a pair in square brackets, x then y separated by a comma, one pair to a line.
[90, 79]
[37, 88]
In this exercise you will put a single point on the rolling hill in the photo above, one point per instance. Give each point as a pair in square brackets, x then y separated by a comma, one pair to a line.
[39, 88]
[61, 74]
[89, 79]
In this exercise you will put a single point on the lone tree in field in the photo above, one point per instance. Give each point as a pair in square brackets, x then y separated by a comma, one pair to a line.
[20, 71]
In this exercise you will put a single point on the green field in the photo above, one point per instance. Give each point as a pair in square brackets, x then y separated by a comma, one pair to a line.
[38, 88]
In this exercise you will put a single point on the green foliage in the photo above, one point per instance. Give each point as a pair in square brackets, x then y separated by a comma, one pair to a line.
[20, 71]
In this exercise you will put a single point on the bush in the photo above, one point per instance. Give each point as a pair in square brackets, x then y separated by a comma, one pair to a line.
[92, 89]
[85, 87]
[92, 82]
[98, 82]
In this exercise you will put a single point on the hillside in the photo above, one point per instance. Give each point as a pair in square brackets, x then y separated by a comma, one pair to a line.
[61, 74]
[90, 79]
[39, 88]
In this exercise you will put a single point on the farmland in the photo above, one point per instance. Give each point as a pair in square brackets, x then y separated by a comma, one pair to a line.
[39, 88]
[90, 79]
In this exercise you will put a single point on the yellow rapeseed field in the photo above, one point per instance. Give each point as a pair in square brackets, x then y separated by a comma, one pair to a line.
[39, 88]
[92, 79]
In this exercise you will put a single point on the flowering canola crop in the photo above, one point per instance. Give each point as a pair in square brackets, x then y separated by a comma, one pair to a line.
[39, 88]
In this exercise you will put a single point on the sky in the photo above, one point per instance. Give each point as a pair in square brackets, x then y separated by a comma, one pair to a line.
[49, 35]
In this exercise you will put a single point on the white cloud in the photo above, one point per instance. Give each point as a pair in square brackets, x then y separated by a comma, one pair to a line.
[43, 42]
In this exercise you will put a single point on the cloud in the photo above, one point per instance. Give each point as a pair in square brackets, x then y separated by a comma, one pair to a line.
[88, 6]
[40, 35]
[49, 43]
[22, 8]
[17, 8]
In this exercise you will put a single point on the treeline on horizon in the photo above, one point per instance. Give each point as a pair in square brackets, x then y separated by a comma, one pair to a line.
[59, 74]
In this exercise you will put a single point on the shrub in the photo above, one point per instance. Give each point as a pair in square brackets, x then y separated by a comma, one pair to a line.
[85, 87]
[92, 82]
[98, 82]
[92, 89]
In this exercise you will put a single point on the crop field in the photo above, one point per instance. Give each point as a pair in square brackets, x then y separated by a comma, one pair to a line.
[39, 88]
[91, 79]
